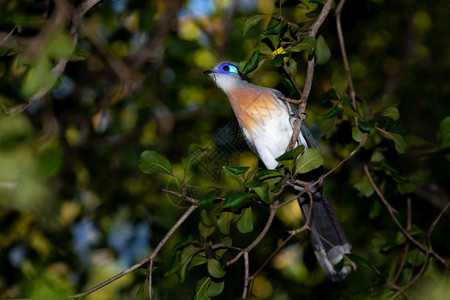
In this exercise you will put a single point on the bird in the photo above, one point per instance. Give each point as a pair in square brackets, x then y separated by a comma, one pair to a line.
[267, 122]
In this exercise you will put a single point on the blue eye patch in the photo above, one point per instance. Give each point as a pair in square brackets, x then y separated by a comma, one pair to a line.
[228, 68]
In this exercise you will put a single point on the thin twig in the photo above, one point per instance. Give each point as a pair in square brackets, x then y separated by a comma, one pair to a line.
[344, 56]
[273, 210]
[391, 211]
[150, 258]
[246, 275]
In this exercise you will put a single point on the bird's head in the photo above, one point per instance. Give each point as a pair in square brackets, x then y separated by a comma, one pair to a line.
[226, 75]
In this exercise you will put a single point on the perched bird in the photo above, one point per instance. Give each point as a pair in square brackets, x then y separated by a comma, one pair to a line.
[267, 124]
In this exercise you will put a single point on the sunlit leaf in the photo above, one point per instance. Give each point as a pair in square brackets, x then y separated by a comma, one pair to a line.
[153, 162]
[323, 52]
[245, 23]
[311, 159]
[245, 222]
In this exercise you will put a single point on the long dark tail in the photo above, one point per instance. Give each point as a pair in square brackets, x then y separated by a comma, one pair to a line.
[326, 235]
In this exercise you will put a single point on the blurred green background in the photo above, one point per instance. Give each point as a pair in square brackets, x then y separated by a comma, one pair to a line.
[76, 209]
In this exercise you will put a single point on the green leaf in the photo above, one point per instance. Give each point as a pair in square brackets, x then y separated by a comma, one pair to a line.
[205, 219]
[252, 63]
[198, 260]
[39, 76]
[153, 162]
[205, 231]
[444, 130]
[308, 45]
[186, 257]
[415, 257]
[215, 269]
[245, 24]
[209, 197]
[224, 222]
[237, 173]
[357, 135]
[399, 141]
[278, 60]
[193, 153]
[323, 52]
[182, 243]
[367, 125]
[215, 288]
[362, 262]
[336, 110]
[276, 29]
[391, 112]
[261, 189]
[263, 48]
[237, 170]
[201, 289]
[142, 293]
[288, 158]
[406, 187]
[364, 187]
[311, 159]
[290, 155]
[60, 45]
[236, 199]
[339, 82]
[245, 222]
[266, 174]
[293, 66]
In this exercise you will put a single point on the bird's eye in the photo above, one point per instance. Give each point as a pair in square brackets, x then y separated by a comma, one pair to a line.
[226, 68]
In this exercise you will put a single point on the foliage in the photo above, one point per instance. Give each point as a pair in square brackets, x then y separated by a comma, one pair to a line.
[116, 152]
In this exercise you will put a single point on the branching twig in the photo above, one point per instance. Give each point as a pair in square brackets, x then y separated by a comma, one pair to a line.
[344, 55]
[149, 258]
[59, 18]
[391, 211]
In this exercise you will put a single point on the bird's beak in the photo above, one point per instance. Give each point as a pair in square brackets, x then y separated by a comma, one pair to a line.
[208, 73]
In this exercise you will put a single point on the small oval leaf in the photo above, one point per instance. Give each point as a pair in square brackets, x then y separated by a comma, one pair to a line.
[153, 162]
[215, 269]
[236, 199]
[323, 52]
[245, 223]
[311, 159]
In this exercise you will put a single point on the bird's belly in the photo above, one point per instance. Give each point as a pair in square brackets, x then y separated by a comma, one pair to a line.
[271, 137]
